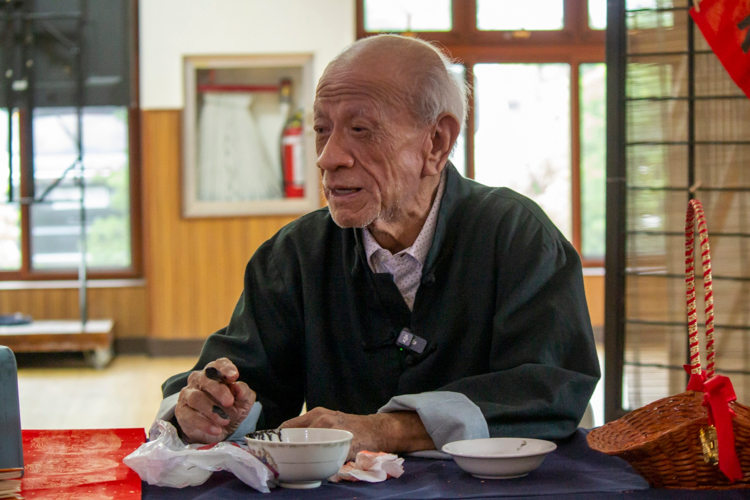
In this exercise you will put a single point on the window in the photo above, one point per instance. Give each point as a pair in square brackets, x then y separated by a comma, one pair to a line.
[598, 14]
[522, 133]
[41, 239]
[55, 223]
[459, 152]
[509, 15]
[537, 117]
[69, 175]
[593, 85]
[10, 214]
[408, 15]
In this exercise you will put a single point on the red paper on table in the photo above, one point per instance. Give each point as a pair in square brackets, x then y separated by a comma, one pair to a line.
[726, 26]
[84, 464]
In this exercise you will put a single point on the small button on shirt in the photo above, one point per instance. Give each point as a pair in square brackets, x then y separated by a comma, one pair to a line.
[406, 265]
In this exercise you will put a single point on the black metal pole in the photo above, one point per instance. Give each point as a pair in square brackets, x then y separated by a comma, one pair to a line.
[27, 133]
[8, 86]
[80, 96]
[691, 107]
[614, 320]
[10, 155]
[690, 140]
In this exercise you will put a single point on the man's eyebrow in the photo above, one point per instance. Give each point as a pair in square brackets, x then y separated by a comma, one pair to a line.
[352, 111]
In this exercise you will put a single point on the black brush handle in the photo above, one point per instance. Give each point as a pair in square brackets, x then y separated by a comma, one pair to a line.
[220, 412]
[215, 374]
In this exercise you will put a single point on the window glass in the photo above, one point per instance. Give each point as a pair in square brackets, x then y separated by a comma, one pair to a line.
[649, 14]
[458, 155]
[648, 4]
[522, 133]
[55, 223]
[598, 14]
[648, 164]
[512, 15]
[593, 78]
[10, 213]
[408, 15]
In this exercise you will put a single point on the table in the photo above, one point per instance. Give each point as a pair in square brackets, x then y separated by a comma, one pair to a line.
[572, 472]
[83, 464]
[95, 340]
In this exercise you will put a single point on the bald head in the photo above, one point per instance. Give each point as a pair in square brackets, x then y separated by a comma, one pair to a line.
[417, 72]
[387, 114]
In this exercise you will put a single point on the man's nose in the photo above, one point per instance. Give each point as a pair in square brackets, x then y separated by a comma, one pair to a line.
[334, 154]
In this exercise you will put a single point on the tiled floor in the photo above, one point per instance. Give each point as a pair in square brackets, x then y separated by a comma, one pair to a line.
[61, 392]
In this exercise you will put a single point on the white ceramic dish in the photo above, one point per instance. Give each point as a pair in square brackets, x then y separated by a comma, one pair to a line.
[499, 458]
[303, 457]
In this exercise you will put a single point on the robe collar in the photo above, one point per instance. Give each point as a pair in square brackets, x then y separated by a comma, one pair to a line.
[454, 191]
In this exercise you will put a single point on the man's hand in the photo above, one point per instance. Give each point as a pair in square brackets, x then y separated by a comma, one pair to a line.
[398, 432]
[204, 402]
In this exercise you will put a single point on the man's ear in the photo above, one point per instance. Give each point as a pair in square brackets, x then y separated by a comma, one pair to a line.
[440, 143]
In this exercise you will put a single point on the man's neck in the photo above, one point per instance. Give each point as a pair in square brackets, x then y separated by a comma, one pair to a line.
[403, 230]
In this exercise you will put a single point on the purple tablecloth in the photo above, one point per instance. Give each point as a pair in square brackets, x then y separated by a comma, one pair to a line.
[573, 471]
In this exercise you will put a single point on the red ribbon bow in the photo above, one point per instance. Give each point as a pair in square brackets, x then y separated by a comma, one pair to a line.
[717, 394]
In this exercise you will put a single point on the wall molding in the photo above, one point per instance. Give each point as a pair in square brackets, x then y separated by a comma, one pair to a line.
[131, 345]
[175, 347]
[158, 347]
[65, 284]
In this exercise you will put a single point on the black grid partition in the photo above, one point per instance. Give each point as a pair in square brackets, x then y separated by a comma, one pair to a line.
[680, 128]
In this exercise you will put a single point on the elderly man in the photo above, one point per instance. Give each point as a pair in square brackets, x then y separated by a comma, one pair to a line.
[419, 307]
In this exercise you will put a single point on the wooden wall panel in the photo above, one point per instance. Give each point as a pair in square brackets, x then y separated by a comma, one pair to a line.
[194, 267]
[594, 285]
[126, 306]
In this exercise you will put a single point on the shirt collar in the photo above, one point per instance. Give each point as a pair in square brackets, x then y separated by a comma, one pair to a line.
[421, 246]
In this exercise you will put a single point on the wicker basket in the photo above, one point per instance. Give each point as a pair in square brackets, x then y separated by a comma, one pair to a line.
[661, 441]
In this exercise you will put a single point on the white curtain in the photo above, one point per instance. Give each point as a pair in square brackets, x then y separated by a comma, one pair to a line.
[234, 162]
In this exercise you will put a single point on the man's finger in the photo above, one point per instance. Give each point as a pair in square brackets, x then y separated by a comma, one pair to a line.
[200, 428]
[198, 401]
[227, 369]
[306, 419]
[244, 397]
[328, 422]
[221, 393]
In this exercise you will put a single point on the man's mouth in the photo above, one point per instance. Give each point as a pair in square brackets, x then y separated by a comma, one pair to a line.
[344, 191]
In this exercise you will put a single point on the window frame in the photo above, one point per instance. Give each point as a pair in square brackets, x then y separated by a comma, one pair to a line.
[136, 268]
[575, 44]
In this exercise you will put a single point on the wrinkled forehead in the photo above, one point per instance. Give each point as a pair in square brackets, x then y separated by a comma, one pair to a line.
[360, 91]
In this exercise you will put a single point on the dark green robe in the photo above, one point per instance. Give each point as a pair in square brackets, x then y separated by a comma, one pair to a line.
[501, 304]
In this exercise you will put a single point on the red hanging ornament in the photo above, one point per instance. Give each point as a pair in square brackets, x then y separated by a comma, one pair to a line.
[726, 26]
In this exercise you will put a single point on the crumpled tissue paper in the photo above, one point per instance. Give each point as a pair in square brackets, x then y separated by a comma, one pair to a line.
[166, 461]
[370, 467]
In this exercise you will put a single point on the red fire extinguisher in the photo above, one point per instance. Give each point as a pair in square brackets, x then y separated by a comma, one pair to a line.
[292, 160]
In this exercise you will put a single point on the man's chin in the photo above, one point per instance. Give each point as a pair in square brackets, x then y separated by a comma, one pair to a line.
[349, 220]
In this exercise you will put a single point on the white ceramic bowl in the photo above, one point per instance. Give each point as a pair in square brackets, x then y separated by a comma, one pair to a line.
[499, 458]
[303, 457]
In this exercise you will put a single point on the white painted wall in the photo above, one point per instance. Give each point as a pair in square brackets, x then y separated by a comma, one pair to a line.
[172, 29]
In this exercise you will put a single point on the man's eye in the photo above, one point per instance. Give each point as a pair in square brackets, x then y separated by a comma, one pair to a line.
[319, 130]
[358, 129]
